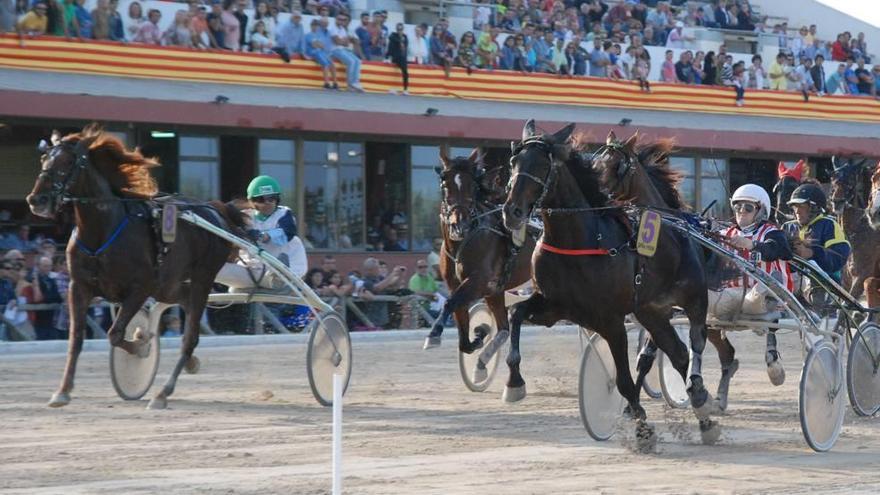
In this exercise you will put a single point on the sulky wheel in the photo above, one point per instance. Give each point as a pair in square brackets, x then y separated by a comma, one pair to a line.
[478, 368]
[651, 385]
[673, 387]
[600, 404]
[329, 353]
[822, 399]
[133, 374]
[863, 370]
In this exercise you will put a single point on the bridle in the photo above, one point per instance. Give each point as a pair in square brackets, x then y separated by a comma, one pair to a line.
[552, 173]
[625, 167]
[841, 179]
[61, 182]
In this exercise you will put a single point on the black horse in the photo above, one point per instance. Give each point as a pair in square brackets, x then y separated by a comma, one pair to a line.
[787, 180]
[585, 271]
[478, 258]
[115, 252]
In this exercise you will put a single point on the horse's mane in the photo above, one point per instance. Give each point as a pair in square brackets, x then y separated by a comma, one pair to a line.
[128, 172]
[654, 157]
[580, 167]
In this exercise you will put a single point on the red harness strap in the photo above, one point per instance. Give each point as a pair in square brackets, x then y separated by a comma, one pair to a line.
[573, 252]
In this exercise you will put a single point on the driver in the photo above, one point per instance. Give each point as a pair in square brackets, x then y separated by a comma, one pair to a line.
[274, 228]
[821, 238]
[755, 237]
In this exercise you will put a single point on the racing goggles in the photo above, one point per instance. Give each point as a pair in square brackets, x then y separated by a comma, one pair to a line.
[744, 207]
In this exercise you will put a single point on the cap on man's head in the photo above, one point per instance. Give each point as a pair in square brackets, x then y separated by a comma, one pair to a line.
[679, 24]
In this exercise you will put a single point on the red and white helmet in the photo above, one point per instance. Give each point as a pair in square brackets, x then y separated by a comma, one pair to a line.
[755, 194]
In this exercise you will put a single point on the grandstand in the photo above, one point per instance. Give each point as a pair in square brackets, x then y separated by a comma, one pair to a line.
[351, 160]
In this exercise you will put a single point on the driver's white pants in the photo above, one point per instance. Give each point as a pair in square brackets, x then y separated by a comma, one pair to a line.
[240, 276]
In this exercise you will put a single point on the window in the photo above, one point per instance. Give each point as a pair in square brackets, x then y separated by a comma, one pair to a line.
[334, 195]
[713, 172]
[199, 167]
[425, 195]
[278, 159]
[687, 166]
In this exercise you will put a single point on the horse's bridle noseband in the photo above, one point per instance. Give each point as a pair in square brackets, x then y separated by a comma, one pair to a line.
[61, 182]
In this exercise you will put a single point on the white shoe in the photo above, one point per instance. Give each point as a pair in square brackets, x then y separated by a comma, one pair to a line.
[405, 93]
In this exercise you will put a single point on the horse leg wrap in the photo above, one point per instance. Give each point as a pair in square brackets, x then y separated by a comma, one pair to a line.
[727, 373]
[493, 346]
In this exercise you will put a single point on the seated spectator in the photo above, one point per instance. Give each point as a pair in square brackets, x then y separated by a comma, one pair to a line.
[398, 47]
[777, 75]
[392, 242]
[342, 51]
[744, 18]
[467, 52]
[335, 285]
[677, 38]
[684, 70]
[507, 60]
[424, 285]
[525, 54]
[260, 41]
[739, 82]
[806, 78]
[840, 49]
[373, 284]
[419, 49]
[852, 81]
[270, 21]
[836, 83]
[136, 19]
[859, 47]
[179, 33]
[487, 49]
[727, 71]
[290, 40]
[865, 81]
[366, 34]
[149, 31]
[169, 325]
[875, 72]
[34, 23]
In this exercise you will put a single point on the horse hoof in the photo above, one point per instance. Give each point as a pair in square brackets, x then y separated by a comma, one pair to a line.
[708, 408]
[480, 374]
[157, 403]
[776, 372]
[646, 438]
[721, 404]
[514, 394]
[59, 399]
[710, 432]
[431, 342]
[192, 365]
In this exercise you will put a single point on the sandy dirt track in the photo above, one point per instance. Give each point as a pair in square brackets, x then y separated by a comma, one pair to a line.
[247, 423]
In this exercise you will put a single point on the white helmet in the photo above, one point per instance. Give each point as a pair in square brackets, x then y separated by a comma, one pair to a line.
[755, 194]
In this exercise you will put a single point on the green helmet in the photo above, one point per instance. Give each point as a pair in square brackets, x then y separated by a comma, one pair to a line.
[263, 186]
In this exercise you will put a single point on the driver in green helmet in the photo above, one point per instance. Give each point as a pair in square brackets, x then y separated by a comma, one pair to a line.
[274, 229]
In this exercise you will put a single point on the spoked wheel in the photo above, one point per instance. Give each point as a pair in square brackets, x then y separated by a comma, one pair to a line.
[478, 378]
[863, 370]
[651, 385]
[821, 402]
[673, 387]
[601, 405]
[133, 374]
[329, 353]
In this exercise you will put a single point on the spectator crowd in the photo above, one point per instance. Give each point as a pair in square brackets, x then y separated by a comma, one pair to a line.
[565, 37]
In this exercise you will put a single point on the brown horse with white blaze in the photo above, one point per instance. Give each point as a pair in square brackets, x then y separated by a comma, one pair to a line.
[115, 251]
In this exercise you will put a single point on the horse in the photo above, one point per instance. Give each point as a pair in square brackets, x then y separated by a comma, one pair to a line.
[585, 271]
[850, 196]
[478, 258]
[116, 252]
[639, 173]
[872, 284]
[788, 179]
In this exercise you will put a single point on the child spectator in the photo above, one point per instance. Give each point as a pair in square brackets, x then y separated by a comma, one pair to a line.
[727, 71]
[777, 73]
[270, 23]
[260, 40]
[315, 278]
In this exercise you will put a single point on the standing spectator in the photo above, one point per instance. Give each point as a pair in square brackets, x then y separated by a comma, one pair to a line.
[739, 82]
[722, 17]
[57, 23]
[83, 19]
[231, 26]
[260, 41]
[317, 47]
[441, 54]
[561, 59]
[806, 78]
[270, 22]
[149, 31]
[667, 70]
[727, 71]
[757, 74]
[840, 49]
[366, 34]
[865, 82]
[852, 81]
[697, 67]
[599, 60]
[202, 37]
[487, 49]
[860, 46]
[216, 32]
[101, 20]
[20, 240]
[43, 290]
[238, 12]
[34, 23]
[117, 31]
[817, 74]
[136, 19]
[814, 48]
[7, 16]
[179, 33]
[418, 51]
[677, 38]
[398, 48]
[509, 53]
[543, 52]
[467, 54]
[379, 47]
[526, 55]
[290, 40]
[642, 69]
[836, 82]
[799, 42]
[777, 73]
[342, 51]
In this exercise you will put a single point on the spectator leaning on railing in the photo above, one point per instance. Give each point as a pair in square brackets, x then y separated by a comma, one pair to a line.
[290, 38]
[33, 23]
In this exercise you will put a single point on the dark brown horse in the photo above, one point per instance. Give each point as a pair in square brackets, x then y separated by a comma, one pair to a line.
[585, 271]
[850, 195]
[872, 284]
[114, 252]
[638, 172]
[478, 258]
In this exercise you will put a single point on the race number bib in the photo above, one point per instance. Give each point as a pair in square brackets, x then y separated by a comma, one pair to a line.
[169, 223]
[649, 232]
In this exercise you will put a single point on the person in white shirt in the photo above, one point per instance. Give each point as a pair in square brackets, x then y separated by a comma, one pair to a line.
[342, 51]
